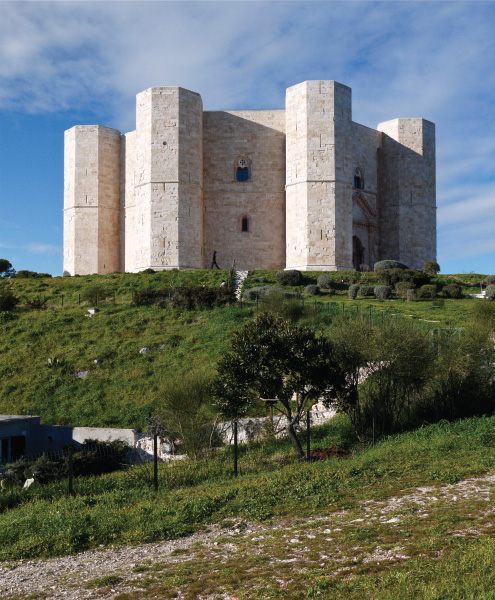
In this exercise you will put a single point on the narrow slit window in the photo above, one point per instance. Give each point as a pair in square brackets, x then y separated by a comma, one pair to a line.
[244, 224]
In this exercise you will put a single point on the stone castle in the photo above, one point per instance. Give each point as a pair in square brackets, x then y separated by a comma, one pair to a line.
[302, 188]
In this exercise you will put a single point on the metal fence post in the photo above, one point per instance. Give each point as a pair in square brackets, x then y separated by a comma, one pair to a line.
[374, 421]
[71, 489]
[62, 300]
[437, 406]
[235, 448]
[308, 435]
[155, 462]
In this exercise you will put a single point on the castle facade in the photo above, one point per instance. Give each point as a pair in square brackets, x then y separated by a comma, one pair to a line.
[302, 188]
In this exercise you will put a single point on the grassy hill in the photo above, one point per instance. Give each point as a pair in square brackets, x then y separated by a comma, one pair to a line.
[125, 387]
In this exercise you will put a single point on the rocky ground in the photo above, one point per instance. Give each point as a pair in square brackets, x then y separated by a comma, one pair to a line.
[337, 543]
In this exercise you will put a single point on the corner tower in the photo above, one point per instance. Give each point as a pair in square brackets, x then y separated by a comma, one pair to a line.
[407, 195]
[91, 200]
[319, 173]
[163, 217]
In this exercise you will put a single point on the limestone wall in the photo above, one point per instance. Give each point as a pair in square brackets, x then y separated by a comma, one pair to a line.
[365, 145]
[259, 137]
[164, 223]
[166, 195]
[407, 191]
[91, 200]
[319, 168]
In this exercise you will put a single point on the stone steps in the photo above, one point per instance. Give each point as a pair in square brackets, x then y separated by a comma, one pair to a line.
[239, 277]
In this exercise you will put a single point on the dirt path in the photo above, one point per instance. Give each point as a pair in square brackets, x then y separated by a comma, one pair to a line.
[288, 545]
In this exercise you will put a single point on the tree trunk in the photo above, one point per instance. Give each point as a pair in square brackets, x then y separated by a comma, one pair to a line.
[296, 444]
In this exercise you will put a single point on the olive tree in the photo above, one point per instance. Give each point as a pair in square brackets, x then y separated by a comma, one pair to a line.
[274, 359]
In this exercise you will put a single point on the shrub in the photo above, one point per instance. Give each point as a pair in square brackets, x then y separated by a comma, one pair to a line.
[24, 274]
[94, 293]
[281, 303]
[490, 279]
[312, 290]
[45, 275]
[431, 267]
[427, 291]
[452, 290]
[388, 264]
[353, 291]
[149, 271]
[366, 290]
[402, 287]
[325, 282]
[7, 300]
[258, 292]
[382, 292]
[410, 295]
[413, 276]
[186, 297]
[490, 291]
[292, 277]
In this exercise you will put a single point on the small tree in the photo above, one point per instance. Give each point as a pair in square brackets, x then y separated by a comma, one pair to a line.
[431, 267]
[271, 358]
[6, 268]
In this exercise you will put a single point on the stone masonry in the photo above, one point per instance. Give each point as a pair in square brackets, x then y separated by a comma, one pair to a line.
[302, 188]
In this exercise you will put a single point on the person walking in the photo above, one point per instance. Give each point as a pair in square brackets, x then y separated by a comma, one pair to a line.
[214, 260]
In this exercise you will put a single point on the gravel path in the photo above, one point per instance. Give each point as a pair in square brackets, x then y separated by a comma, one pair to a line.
[67, 577]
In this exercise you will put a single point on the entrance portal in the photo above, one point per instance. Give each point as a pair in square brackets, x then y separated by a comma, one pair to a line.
[357, 253]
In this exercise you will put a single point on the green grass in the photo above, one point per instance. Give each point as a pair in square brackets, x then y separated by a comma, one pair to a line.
[122, 508]
[126, 388]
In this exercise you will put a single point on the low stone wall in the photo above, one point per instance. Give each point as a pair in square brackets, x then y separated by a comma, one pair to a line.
[250, 429]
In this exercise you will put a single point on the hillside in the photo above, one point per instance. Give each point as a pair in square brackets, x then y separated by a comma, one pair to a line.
[124, 387]
[411, 518]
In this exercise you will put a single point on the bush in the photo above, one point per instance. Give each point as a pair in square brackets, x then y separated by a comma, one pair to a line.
[388, 264]
[353, 291]
[427, 291]
[490, 280]
[292, 277]
[94, 293]
[366, 290]
[260, 291]
[312, 290]
[382, 292]
[490, 291]
[410, 295]
[149, 271]
[431, 267]
[281, 303]
[7, 300]
[402, 287]
[325, 282]
[186, 297]
[452, 290]
[394, 276]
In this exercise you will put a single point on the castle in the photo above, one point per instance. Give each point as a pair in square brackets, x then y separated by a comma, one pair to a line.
[302, 188]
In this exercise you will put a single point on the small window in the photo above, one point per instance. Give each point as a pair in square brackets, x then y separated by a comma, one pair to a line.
[242, 169]
[358, 180]
[244, 224]
[242, 173]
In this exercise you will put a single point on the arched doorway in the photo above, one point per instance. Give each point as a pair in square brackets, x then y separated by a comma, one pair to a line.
[357, 253]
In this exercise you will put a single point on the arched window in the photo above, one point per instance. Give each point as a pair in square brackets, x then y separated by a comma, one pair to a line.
[242, 169]
[245, 224]
[358, 179]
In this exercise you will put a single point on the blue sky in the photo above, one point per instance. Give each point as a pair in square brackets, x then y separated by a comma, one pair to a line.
[68, 63]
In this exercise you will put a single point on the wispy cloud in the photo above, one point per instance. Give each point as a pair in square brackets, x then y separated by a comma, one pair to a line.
[429, 59]
[34, 248]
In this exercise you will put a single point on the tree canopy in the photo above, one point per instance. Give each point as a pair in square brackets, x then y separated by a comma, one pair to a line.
[274, 359]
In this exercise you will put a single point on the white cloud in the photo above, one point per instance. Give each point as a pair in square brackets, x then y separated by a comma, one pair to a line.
[430, 59]
[42, 248]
